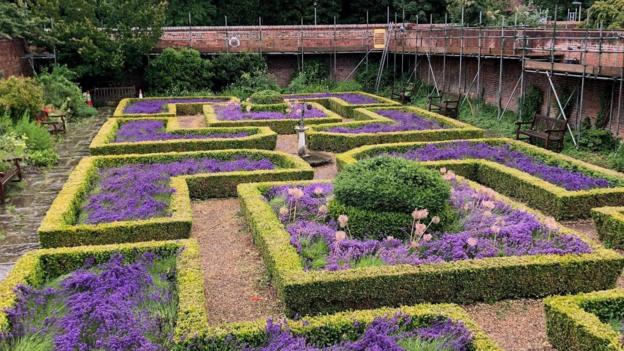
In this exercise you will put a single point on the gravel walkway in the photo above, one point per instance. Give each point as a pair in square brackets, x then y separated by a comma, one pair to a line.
[288, 144]
[236, 283]
[196, 121]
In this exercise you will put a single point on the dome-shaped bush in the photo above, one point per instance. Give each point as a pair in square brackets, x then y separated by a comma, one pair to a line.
[266, 97]
[391, 185]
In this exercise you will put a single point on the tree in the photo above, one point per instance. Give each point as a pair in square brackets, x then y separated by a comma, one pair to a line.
[105, 37]
[609, 13]
[203, 13]
[16, 21]
[179, 69]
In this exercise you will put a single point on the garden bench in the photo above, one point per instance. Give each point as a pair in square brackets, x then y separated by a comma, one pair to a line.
[5, 176]
[112, 95]
[549, 130]
[54, 122]
[404, 95]
[448, 106]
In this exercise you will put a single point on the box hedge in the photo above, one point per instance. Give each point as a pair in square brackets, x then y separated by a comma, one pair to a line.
[610, 225]
[59, 227]
[344, 108]
[578, 322]
[537, 193]
[192, 331]
[280, 126]
[178, 109]
[103, 143]
[321, 138]
[489, 279]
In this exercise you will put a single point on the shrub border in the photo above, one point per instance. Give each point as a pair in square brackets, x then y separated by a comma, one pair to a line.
[280, 126]
[58, 227]
[490, 279]
[538, 193]
[570, 326]
[102, 144]
[172, 109]
[610, 225]
[342, 107]
[321, 139]
[191, 330]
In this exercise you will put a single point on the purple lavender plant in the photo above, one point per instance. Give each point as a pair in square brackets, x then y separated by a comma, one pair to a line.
[487, 228]
[233, 112]
[136, 131]
[140, 191]
[404, 120]
[150, 106]
[351, 98]
[504, 154]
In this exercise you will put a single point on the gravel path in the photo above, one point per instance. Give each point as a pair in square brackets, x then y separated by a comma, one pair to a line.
[288, 144]
[196, 121]
[236, 283]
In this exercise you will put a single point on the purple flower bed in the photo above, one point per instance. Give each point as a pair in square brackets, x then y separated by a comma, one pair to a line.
[114, 306]
[486, 228]
[158, 105]
[383, 333]
[568, 179]
[404, 120]
[233, 112]
[141, 191]
[136, 131]
[351, 98]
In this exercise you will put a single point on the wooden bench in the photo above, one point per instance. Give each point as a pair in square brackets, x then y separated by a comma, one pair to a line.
[550, 131]
[448, 106]
[404, 95]
[55, 123]
[112, 95]
[6, 176]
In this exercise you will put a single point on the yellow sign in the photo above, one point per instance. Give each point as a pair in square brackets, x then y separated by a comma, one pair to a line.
[379, 38]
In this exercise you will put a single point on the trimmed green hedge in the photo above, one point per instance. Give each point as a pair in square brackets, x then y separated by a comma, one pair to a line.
[342, 107]
[537, 193]
[191, 329]
[489, 279]
[103, 143]
[321, 139]
[59, 227]
[610, 225]
[280, 126]
[179, 109]
[577, 322]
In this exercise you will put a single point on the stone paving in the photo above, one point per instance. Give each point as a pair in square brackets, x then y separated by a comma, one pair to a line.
[29, 199]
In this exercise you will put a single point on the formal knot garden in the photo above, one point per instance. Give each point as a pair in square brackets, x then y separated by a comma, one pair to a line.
[425, 218]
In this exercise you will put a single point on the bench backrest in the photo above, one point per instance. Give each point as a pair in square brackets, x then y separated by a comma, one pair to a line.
[112, 94]
[542, 123]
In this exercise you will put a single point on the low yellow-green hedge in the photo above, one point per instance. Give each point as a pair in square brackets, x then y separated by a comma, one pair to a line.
[173, 110]
[320, 138]
[610, 225]
[103, 143]
[488, 279]
[577, 322]
[59, 227]
[537, 193]
[192, 331]
[280, 126]
[342, 107]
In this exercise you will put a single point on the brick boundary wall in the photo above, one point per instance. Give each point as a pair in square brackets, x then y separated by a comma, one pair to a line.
[11, 58]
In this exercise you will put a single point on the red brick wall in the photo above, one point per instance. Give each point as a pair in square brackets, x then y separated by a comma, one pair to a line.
[11, 61]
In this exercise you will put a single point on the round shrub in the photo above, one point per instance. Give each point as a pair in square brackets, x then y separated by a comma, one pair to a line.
[266, 97]
[391, 185]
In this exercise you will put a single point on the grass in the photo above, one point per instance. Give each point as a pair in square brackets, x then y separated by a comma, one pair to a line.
[417, 344]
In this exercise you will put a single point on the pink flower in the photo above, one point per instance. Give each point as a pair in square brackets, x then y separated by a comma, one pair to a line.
[489, 204]
[296, 193]
[283, 211]
[419, 229]
[340, 235]
[322, 209]
[318, 191]
[414, 244]
[443, 170]
[449, 175]
[389, 237]
[420, 214]
[343, 220]
[427, 237]
[551, 224]
[472, 242]
[495, 229]
[435, 220]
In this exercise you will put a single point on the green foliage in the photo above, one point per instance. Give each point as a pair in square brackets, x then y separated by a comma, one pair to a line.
[391, 184]
[616, 159]
[11, 145]
[250, 82]
[19, 96]
[313, 78]
[597, 140]
[602, 118]
[60, 91]
[17, 21]
[37, 137]
[493, 11]
[202, 13]
[609, 13]
[229, 67]
[179, 69]
[531, 103]
[366, 77]
[266, 97]
[43, 158]
[107, 38]
[418, 344]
